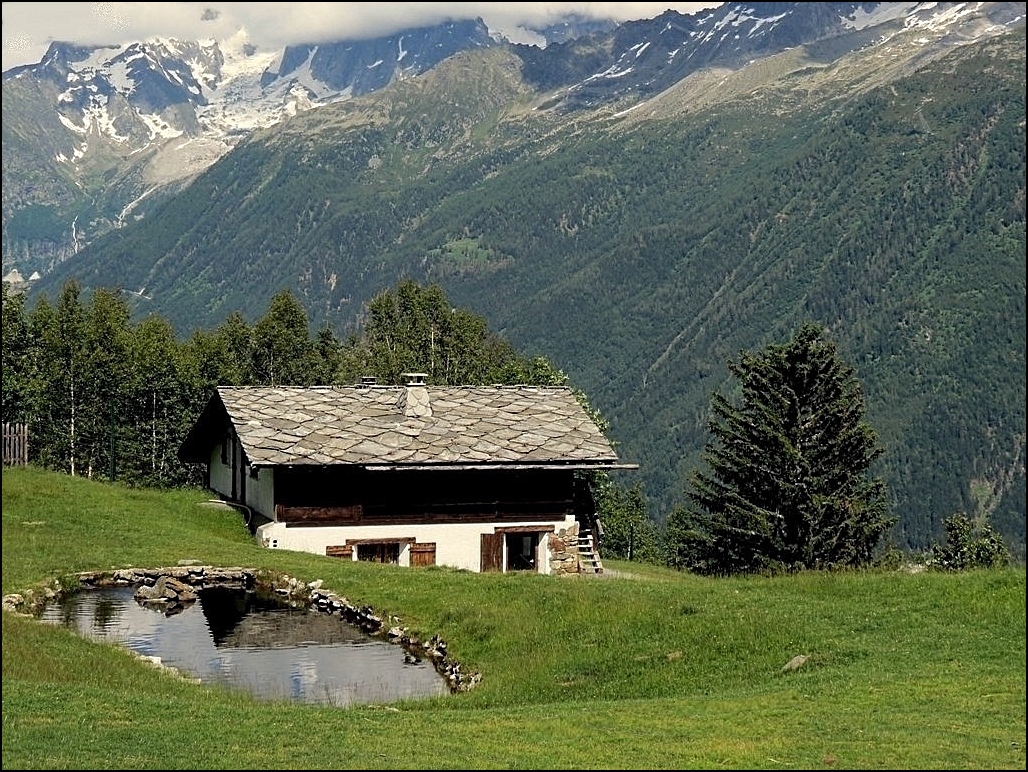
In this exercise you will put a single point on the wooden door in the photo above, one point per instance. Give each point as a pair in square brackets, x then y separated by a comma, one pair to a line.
[492, 552]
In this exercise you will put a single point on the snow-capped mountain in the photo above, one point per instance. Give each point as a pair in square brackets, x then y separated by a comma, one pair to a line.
[642, 58]
[94, 138]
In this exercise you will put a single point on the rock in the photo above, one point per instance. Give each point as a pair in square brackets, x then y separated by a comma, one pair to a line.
[795, 663]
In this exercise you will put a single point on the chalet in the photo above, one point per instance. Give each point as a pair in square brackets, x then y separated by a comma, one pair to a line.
[479, 478]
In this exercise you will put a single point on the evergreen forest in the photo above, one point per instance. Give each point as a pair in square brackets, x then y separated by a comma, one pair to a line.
[111, 399]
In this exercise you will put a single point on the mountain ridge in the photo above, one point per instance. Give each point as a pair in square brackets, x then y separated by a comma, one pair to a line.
[118, 129]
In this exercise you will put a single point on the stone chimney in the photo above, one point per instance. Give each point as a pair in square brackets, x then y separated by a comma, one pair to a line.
[413, 399]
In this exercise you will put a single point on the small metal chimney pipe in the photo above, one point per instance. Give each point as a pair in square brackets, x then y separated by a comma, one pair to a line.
[368, 380]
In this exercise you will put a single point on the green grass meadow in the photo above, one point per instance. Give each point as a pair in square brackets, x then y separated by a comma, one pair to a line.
[643, 668]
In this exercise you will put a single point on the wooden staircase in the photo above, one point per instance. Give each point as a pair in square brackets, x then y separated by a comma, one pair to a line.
[588, 554]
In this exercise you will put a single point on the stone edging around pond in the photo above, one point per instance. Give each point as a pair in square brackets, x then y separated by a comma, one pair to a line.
[296, 592]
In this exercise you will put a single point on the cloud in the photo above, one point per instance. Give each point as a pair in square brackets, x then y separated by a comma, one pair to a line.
[29, 28]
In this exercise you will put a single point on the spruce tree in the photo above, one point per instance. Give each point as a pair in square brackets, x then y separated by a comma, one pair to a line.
[789, 483]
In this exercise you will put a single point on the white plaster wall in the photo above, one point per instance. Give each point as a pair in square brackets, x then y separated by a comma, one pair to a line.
[456, 545]
[260, 492]
[221, 474]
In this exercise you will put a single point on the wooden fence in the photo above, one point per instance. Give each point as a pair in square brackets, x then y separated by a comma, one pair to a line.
[16, 444]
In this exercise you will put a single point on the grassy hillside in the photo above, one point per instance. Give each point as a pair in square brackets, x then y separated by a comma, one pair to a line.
[642, 669]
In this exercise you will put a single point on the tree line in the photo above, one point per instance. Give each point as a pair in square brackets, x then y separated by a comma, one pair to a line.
[787, 484]
[109, 398]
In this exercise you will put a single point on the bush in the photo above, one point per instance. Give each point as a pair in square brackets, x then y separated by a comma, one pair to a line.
[968, 545]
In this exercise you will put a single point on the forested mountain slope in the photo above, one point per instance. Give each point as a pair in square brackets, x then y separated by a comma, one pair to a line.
[880, 194]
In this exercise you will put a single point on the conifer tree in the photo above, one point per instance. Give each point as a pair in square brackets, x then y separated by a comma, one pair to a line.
[789, 483]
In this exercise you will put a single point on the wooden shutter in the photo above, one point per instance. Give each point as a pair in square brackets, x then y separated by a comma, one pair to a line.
[422, 554]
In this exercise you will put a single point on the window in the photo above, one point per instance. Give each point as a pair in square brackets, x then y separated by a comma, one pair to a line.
[382, 552]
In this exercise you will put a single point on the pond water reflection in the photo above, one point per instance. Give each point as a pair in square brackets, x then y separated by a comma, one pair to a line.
[240, 639]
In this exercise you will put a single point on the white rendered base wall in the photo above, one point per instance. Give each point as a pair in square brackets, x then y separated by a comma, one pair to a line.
[458, 546]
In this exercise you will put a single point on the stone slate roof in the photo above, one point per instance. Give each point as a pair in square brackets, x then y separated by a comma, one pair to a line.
[404, 425]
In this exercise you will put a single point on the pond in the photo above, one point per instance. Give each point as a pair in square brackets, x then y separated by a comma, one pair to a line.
[241, 639]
